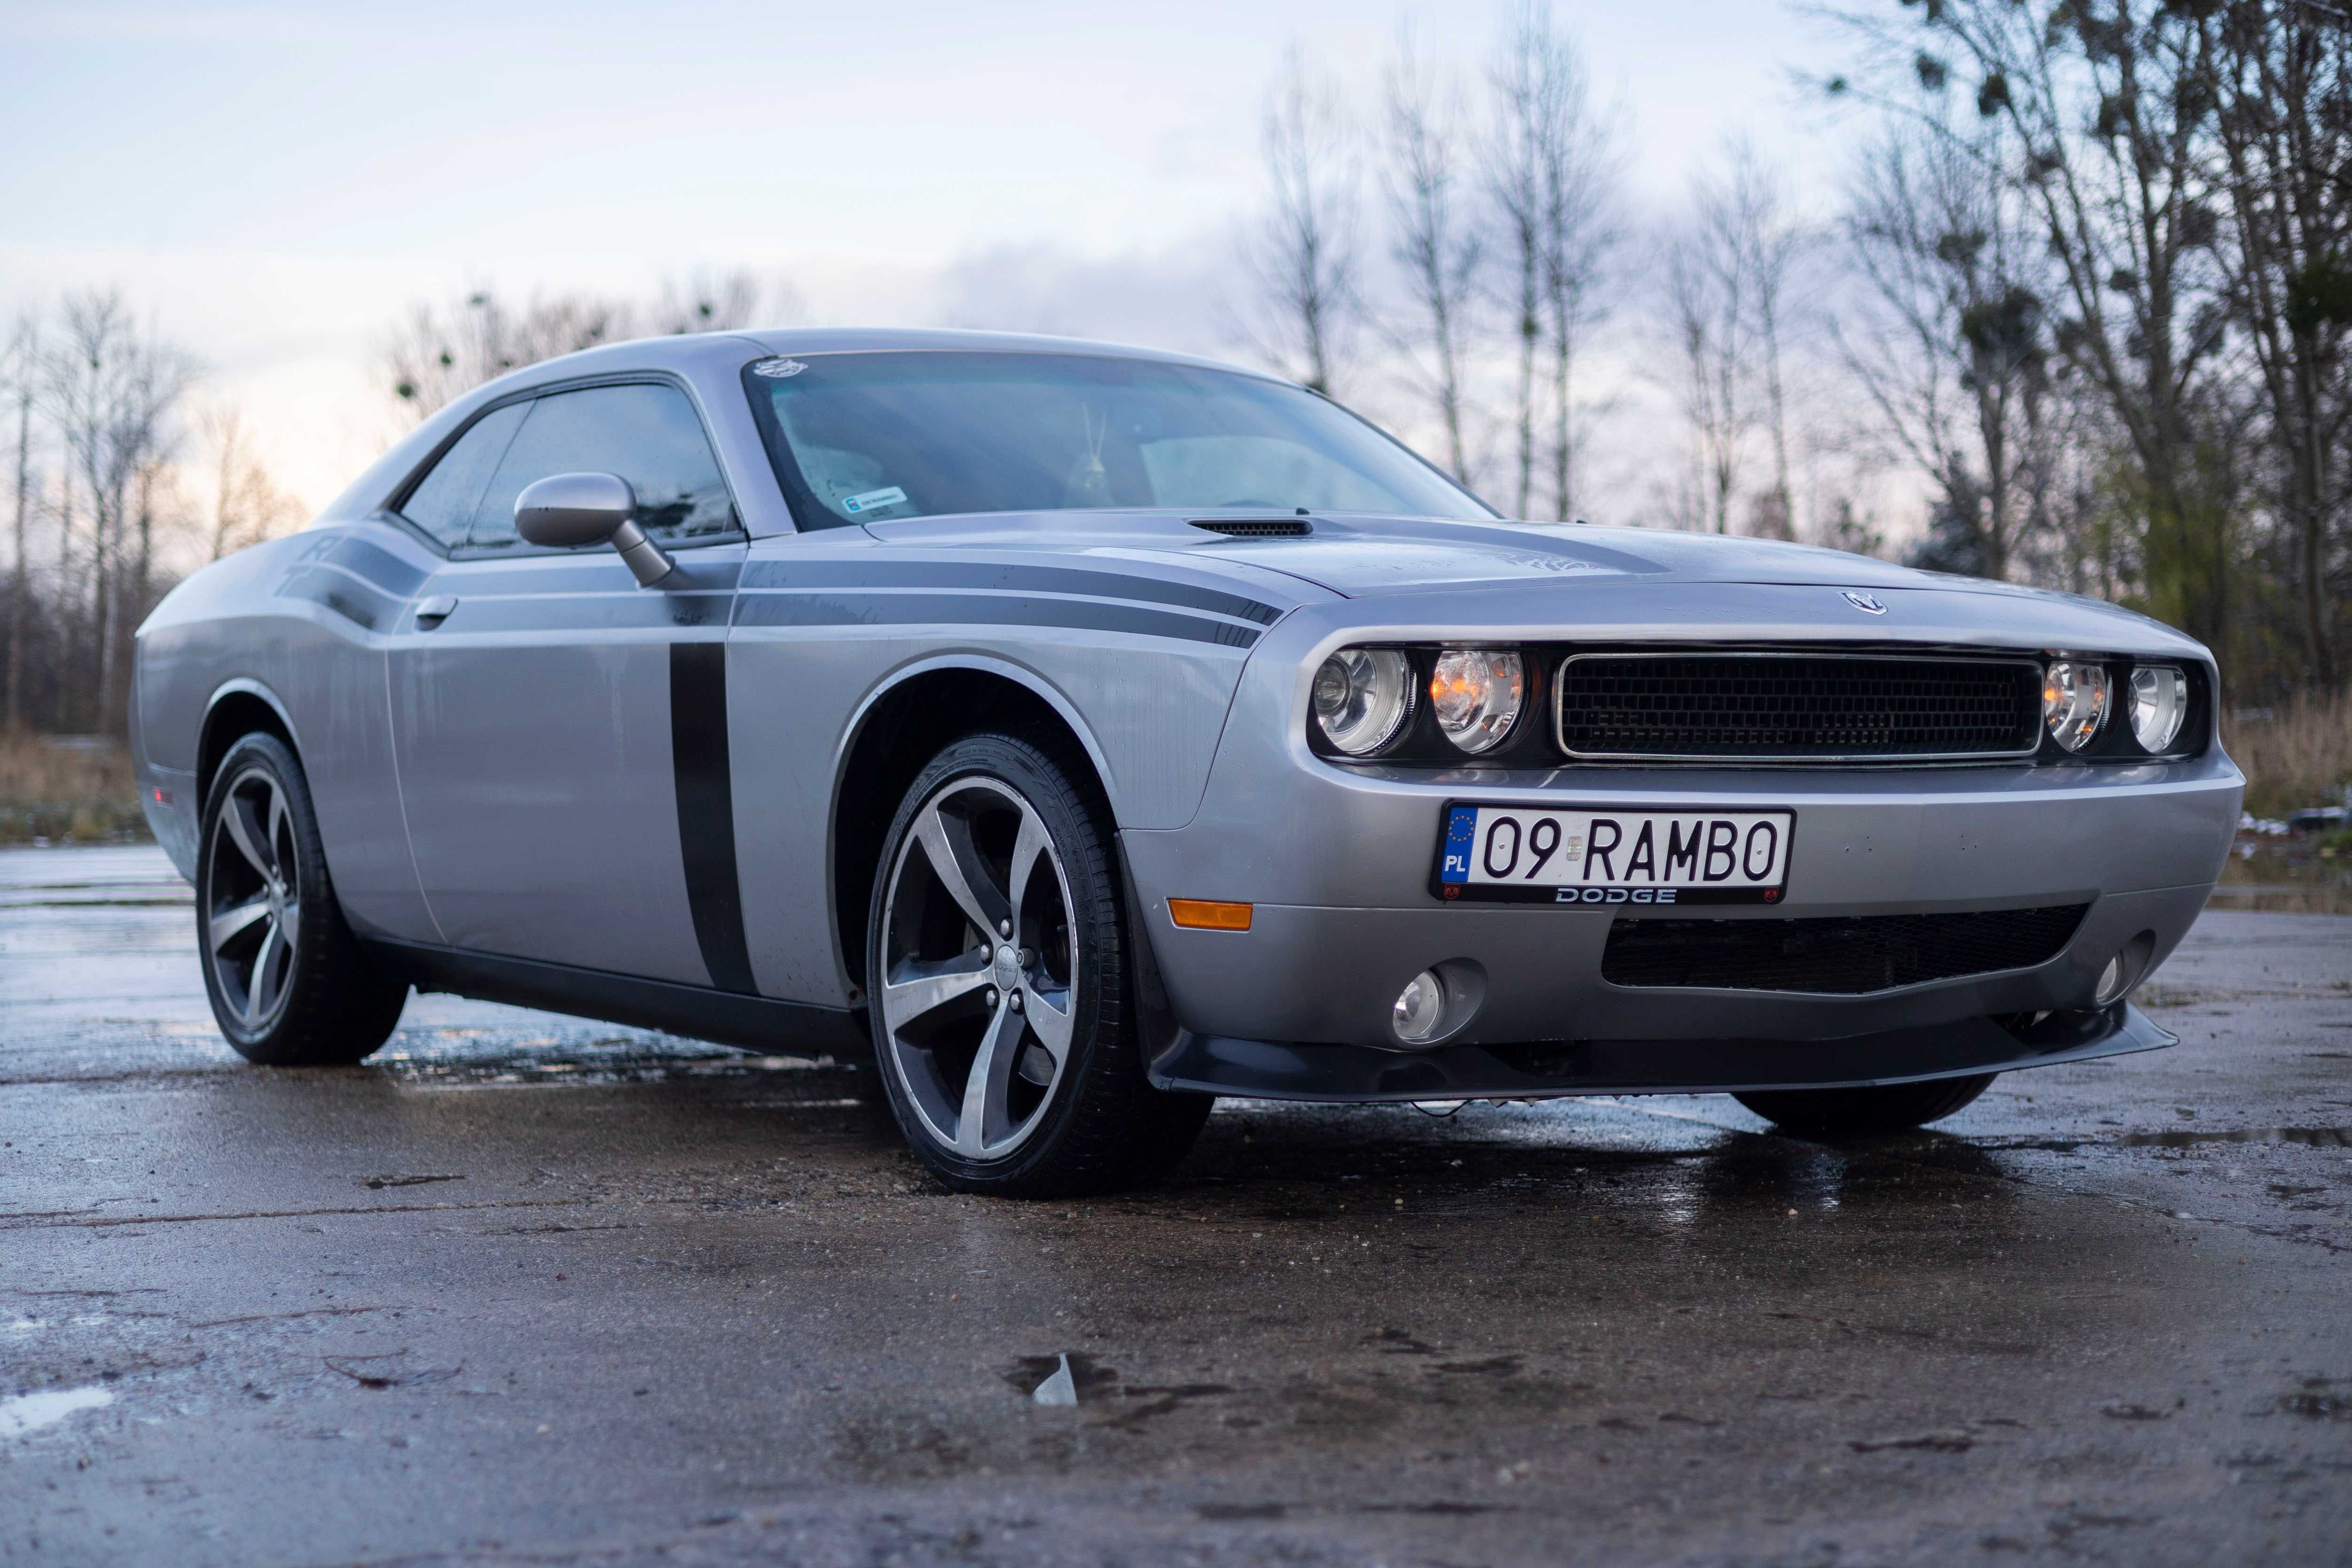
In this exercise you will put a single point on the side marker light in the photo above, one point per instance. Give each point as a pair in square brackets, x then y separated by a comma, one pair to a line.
[1206, 914]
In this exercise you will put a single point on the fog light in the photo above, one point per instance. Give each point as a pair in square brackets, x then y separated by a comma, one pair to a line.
[2112, 980]
[1420, 1008]
[2127, 968]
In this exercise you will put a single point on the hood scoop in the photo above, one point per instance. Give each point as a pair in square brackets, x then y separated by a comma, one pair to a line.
[1256, 527]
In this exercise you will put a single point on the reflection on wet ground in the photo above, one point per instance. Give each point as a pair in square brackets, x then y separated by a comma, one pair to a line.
[527, 1288]
[2286, 876]
[2315, 1137]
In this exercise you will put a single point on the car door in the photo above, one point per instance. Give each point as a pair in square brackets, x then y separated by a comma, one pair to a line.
[560, 731]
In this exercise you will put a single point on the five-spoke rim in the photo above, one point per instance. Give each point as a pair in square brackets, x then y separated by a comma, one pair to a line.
[253, 908]
[978, 971]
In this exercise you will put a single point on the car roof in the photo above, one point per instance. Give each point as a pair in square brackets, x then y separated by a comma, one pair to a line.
[872, 339]
[683, 350]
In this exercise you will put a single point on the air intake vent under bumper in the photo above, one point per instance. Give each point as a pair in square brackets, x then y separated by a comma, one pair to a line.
[1845, 957]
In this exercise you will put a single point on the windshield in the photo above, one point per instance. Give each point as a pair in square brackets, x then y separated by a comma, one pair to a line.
[858, 436]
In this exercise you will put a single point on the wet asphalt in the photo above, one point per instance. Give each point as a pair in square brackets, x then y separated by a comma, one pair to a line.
[527, 1290]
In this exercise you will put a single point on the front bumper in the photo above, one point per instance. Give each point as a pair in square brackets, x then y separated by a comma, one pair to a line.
[1336, 861]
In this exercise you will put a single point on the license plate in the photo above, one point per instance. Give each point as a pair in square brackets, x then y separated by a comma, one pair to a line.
[1600, 855]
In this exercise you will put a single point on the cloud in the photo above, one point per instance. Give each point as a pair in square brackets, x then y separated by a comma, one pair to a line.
[1169, 298]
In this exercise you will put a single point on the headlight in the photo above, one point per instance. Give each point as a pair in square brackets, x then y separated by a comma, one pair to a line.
[2160, 700]
[1362, 697]
[1475, 693]
[2074, 701]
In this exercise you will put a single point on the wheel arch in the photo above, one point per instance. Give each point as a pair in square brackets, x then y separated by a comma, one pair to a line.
[905, 723]
[237, 708]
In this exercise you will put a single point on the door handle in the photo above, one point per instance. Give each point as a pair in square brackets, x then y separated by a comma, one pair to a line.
[432, 611]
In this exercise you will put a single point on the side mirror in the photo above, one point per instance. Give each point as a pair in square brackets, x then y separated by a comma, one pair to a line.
[565, 511]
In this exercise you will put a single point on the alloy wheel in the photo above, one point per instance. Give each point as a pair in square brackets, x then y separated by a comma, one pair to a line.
[978, 975]
[253, 913]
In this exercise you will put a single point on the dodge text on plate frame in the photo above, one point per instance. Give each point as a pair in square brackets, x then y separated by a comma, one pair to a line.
[1079, 733]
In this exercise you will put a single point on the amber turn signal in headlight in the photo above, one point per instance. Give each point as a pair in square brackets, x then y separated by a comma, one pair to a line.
[1206, 914]
[2074, 701]
[1475, 693]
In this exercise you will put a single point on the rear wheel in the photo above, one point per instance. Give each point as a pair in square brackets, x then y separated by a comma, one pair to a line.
[288, 985]
[998, 961]
[1850, 1112]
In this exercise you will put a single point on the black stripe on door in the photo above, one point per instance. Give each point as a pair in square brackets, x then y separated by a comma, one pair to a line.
[706, 809]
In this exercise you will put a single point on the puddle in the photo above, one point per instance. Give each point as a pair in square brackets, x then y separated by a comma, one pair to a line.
[31, 1412]
[598, 1069]
[2284, 877]
[2314, 1137]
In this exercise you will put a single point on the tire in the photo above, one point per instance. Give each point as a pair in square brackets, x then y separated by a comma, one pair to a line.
[1858, 1112]
[289, 984]
[1000, 994]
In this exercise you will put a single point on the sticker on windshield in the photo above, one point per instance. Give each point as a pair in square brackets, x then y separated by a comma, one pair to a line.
[892, 496]
[778, 368]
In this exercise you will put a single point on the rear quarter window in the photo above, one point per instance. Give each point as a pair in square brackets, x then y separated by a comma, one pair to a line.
[443, 501]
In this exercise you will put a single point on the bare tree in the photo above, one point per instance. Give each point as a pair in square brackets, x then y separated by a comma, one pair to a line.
[1550, 161]
[1437, 243]
[1748, 207]
[1947, 339]
[1582, 156]
[440, 354]
[246, 505]
[1711, 318]
[22, 378]
[1306, 253]
[113, 391]
[721, 300]
[2282, 121]
[2110, 110]
[1521, 83]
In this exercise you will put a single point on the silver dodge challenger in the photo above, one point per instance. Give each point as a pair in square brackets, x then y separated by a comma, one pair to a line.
[1088, 732]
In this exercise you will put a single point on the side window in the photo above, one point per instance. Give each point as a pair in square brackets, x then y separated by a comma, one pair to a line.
[647, 434]
[443, 501]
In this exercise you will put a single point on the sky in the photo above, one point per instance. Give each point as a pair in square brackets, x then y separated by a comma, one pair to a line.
[275, 186]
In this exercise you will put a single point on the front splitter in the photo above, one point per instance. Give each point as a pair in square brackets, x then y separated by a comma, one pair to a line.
[1263, 1069]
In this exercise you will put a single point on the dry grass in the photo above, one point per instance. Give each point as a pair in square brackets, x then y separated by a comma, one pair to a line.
[65, 792]
[2301, 755]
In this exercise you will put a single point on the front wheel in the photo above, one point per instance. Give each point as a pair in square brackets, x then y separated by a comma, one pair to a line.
[997, 960]
[288, 985]
[1856, 1113]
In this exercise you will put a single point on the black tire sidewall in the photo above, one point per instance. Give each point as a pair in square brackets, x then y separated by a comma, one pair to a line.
[338, 1009]
[1861, 1112]
[1074, 1148]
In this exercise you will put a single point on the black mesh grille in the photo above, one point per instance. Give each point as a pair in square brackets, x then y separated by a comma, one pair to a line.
[1841, 957]
[1256, 527]
[1763, 705]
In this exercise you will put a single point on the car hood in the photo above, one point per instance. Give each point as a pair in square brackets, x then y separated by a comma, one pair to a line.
[1362, 556]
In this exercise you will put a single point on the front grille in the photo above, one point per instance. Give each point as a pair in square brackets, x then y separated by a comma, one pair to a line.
[1835, 956]
[1764, 707]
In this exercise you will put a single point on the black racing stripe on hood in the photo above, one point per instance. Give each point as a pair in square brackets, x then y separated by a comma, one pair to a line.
[903, 609]
[1003, 576]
